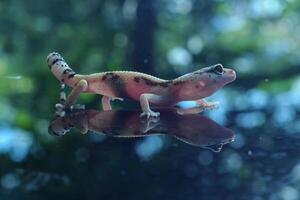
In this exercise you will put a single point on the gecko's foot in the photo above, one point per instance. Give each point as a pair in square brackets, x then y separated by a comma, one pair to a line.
[149, 123]
[187, 111]
[149, 113]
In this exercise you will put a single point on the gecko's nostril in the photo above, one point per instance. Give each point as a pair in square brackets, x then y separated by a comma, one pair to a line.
[218, 69]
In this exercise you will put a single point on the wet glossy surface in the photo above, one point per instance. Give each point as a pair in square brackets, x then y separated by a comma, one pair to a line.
[193, 129]
[173, 157]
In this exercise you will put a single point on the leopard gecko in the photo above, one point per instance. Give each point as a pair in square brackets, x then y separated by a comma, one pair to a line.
[146, 89]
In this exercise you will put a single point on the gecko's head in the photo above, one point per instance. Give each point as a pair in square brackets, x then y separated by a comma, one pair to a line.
[212, 78]
[59, 67]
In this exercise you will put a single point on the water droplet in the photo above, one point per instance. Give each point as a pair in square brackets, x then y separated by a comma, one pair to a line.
[250, 153]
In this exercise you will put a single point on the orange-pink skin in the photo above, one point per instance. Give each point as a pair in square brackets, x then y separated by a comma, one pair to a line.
[127, 84]
[191, 86]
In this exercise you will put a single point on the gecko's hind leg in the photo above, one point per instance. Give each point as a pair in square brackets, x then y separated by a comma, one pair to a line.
[73, 96]
[106, 102]
[144, 101]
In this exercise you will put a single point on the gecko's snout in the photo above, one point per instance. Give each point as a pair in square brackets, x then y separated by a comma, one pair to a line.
[52, 58]
[231, 75]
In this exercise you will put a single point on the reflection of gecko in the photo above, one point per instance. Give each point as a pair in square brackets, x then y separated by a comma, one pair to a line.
[142, 87]
[196, 130]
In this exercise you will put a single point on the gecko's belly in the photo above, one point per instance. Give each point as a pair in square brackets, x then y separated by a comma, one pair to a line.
[134, 92]
[100, 88]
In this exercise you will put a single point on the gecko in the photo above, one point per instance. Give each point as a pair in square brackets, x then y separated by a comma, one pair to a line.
[147, 89]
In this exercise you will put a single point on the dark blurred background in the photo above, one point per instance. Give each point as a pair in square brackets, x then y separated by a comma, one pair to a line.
[260, 39]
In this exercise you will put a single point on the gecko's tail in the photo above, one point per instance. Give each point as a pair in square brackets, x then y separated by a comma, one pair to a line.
[59, 67]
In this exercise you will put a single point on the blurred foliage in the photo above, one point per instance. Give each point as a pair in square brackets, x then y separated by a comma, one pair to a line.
[258, 38]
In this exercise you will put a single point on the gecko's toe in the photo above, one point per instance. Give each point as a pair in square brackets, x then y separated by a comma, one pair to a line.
[60, 109]
[149, 114]
[116, 98]
[60, 113]
[59, 106]
[212, 105]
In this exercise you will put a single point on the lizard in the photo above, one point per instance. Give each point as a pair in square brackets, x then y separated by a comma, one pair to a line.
[147, 89]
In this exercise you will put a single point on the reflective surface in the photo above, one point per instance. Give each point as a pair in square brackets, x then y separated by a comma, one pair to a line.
[193, 129]
[93, 154]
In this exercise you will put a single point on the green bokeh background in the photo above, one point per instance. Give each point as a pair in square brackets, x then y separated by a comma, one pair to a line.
[260, 39]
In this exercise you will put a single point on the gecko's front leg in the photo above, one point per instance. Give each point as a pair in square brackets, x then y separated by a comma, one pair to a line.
[207, 105]
[106, 103]
[144, 101]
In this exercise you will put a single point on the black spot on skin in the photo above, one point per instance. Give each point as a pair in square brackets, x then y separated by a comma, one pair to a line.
[200, 73]
[165, 84]
[116, 83]
[209, 75]
[154, 83]
[136, 79]
[67, 70]
[115, 77]
[56, 60]
[178, 82]
[197, 86]
[110, 75]
[62, 80]
[71, 75]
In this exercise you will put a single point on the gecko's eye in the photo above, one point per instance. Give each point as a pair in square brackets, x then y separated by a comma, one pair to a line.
[218, 69]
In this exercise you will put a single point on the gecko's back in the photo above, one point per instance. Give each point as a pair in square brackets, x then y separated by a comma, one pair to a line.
[125, 84]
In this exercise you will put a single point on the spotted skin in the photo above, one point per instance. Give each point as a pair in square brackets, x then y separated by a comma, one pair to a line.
[146, 89]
